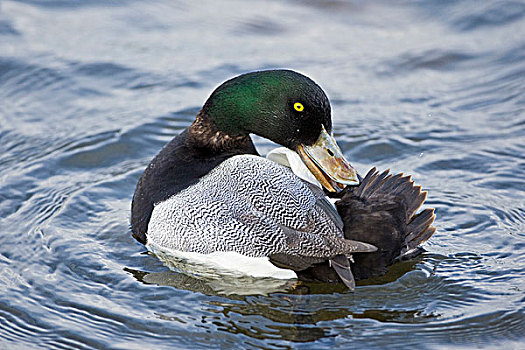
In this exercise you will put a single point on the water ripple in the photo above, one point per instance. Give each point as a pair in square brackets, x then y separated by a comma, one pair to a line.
[487, 15]
[434, 89]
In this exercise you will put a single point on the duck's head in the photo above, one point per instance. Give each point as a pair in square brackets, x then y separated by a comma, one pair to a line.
[287, 108]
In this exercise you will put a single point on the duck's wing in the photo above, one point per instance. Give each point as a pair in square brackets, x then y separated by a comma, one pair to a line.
[300, 248]
[339, 263]
[299, 261]
[295, 220]
[297, 245]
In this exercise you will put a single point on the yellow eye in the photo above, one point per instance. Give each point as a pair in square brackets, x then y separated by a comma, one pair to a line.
[298, 106]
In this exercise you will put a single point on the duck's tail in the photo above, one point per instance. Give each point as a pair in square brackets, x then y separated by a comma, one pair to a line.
[383, 211]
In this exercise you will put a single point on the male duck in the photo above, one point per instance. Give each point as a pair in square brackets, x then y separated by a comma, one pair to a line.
[209, 191]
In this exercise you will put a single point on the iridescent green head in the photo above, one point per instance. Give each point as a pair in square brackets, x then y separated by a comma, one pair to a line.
[280, 105]
[287, 108]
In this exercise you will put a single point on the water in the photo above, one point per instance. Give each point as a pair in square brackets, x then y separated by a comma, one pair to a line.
[90, 92]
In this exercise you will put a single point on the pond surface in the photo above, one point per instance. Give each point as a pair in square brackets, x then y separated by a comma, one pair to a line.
[91, 91]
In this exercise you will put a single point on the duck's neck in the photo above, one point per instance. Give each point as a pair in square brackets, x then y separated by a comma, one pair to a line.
[204, 136]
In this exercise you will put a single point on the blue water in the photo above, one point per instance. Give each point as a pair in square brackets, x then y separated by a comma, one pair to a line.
[91, 90]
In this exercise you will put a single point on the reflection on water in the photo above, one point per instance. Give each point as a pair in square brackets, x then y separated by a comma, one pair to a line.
[90, 92]
[211, 283]
[283, 310]
[205, 279]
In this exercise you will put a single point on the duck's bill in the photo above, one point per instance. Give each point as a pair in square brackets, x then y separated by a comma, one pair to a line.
[327, 163]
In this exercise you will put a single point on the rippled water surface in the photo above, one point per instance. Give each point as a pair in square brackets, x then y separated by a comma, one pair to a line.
[91, 90]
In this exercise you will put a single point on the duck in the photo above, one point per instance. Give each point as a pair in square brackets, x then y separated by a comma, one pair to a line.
[209, 195]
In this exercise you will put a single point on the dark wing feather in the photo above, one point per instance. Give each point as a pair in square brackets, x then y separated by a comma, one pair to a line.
[294, 262]
[341, 265]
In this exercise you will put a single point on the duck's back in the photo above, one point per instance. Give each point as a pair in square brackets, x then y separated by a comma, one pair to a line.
[246, 204]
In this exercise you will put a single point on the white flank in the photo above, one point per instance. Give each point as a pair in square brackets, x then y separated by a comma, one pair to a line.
[229, 262]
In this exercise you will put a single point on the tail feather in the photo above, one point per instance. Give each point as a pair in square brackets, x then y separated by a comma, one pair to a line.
[382, 211]
[366, 180]
[415, 201]
[372, 182]
[391, 185]
[411, 246]
[401, 186]
[419, 228]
